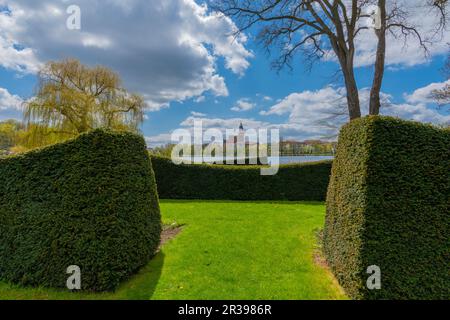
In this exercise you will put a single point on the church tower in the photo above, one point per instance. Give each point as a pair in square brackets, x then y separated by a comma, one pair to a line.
[241, 135]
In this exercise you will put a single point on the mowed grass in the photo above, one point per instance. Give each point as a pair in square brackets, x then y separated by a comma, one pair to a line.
[226, 250]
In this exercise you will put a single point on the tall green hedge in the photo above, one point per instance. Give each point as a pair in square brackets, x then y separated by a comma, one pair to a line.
[221, 182]
[388, 205]
[90, 202]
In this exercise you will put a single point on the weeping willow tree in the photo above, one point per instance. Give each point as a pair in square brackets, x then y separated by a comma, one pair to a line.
[72, 98]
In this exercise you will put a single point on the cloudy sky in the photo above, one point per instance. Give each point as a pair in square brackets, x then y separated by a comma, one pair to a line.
[183, 59]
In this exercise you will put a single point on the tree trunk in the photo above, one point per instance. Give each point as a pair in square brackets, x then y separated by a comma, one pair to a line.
[346, 61]
[375, 101]
[354, 108]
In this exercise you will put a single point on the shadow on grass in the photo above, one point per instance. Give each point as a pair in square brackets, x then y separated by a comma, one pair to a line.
[142, 285]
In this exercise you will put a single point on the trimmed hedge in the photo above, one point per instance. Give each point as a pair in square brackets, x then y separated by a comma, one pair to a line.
[388, 205]
[90, 202]
[296, 182]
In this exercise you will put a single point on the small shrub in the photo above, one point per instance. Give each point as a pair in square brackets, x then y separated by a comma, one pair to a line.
[90, 202]
[388, 205]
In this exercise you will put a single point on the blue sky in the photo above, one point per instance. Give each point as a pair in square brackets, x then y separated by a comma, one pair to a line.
[179, 55]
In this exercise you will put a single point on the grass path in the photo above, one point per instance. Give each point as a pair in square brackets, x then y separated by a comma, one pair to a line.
[226, 250]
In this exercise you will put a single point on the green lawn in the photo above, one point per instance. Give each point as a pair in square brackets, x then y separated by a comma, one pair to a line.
[227, 250]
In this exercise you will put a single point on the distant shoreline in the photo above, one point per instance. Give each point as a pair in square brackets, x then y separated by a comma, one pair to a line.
[283, 159]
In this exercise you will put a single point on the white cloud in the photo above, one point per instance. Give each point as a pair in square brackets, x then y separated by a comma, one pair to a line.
[158, 140]
[419, 112]
[9, 101]
[220, 123]
[407, 53]
[312, 114]
[10, 105]
[264, 97]
[166, 50]
[200, 99]
[316, 114]
[208, 123]
[307, 101]
[13, 57]
[197, 114]
[92, 40]
[319, 114]
[401, 53]
[243, 105]
[423, 95]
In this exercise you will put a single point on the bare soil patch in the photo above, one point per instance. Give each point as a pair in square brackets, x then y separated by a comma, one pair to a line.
[168, 233]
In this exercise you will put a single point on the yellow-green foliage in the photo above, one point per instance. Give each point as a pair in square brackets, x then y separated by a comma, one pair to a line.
[90, 202]
[388, 205]
[73, 98]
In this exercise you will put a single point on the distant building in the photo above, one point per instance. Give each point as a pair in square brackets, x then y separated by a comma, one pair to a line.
[239, 137]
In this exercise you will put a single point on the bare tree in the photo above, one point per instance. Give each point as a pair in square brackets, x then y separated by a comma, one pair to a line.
[442, 96]
[395, 21]
[380, 61]
[321, 27]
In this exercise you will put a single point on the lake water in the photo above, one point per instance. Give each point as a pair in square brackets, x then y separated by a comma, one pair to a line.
[303, 159]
